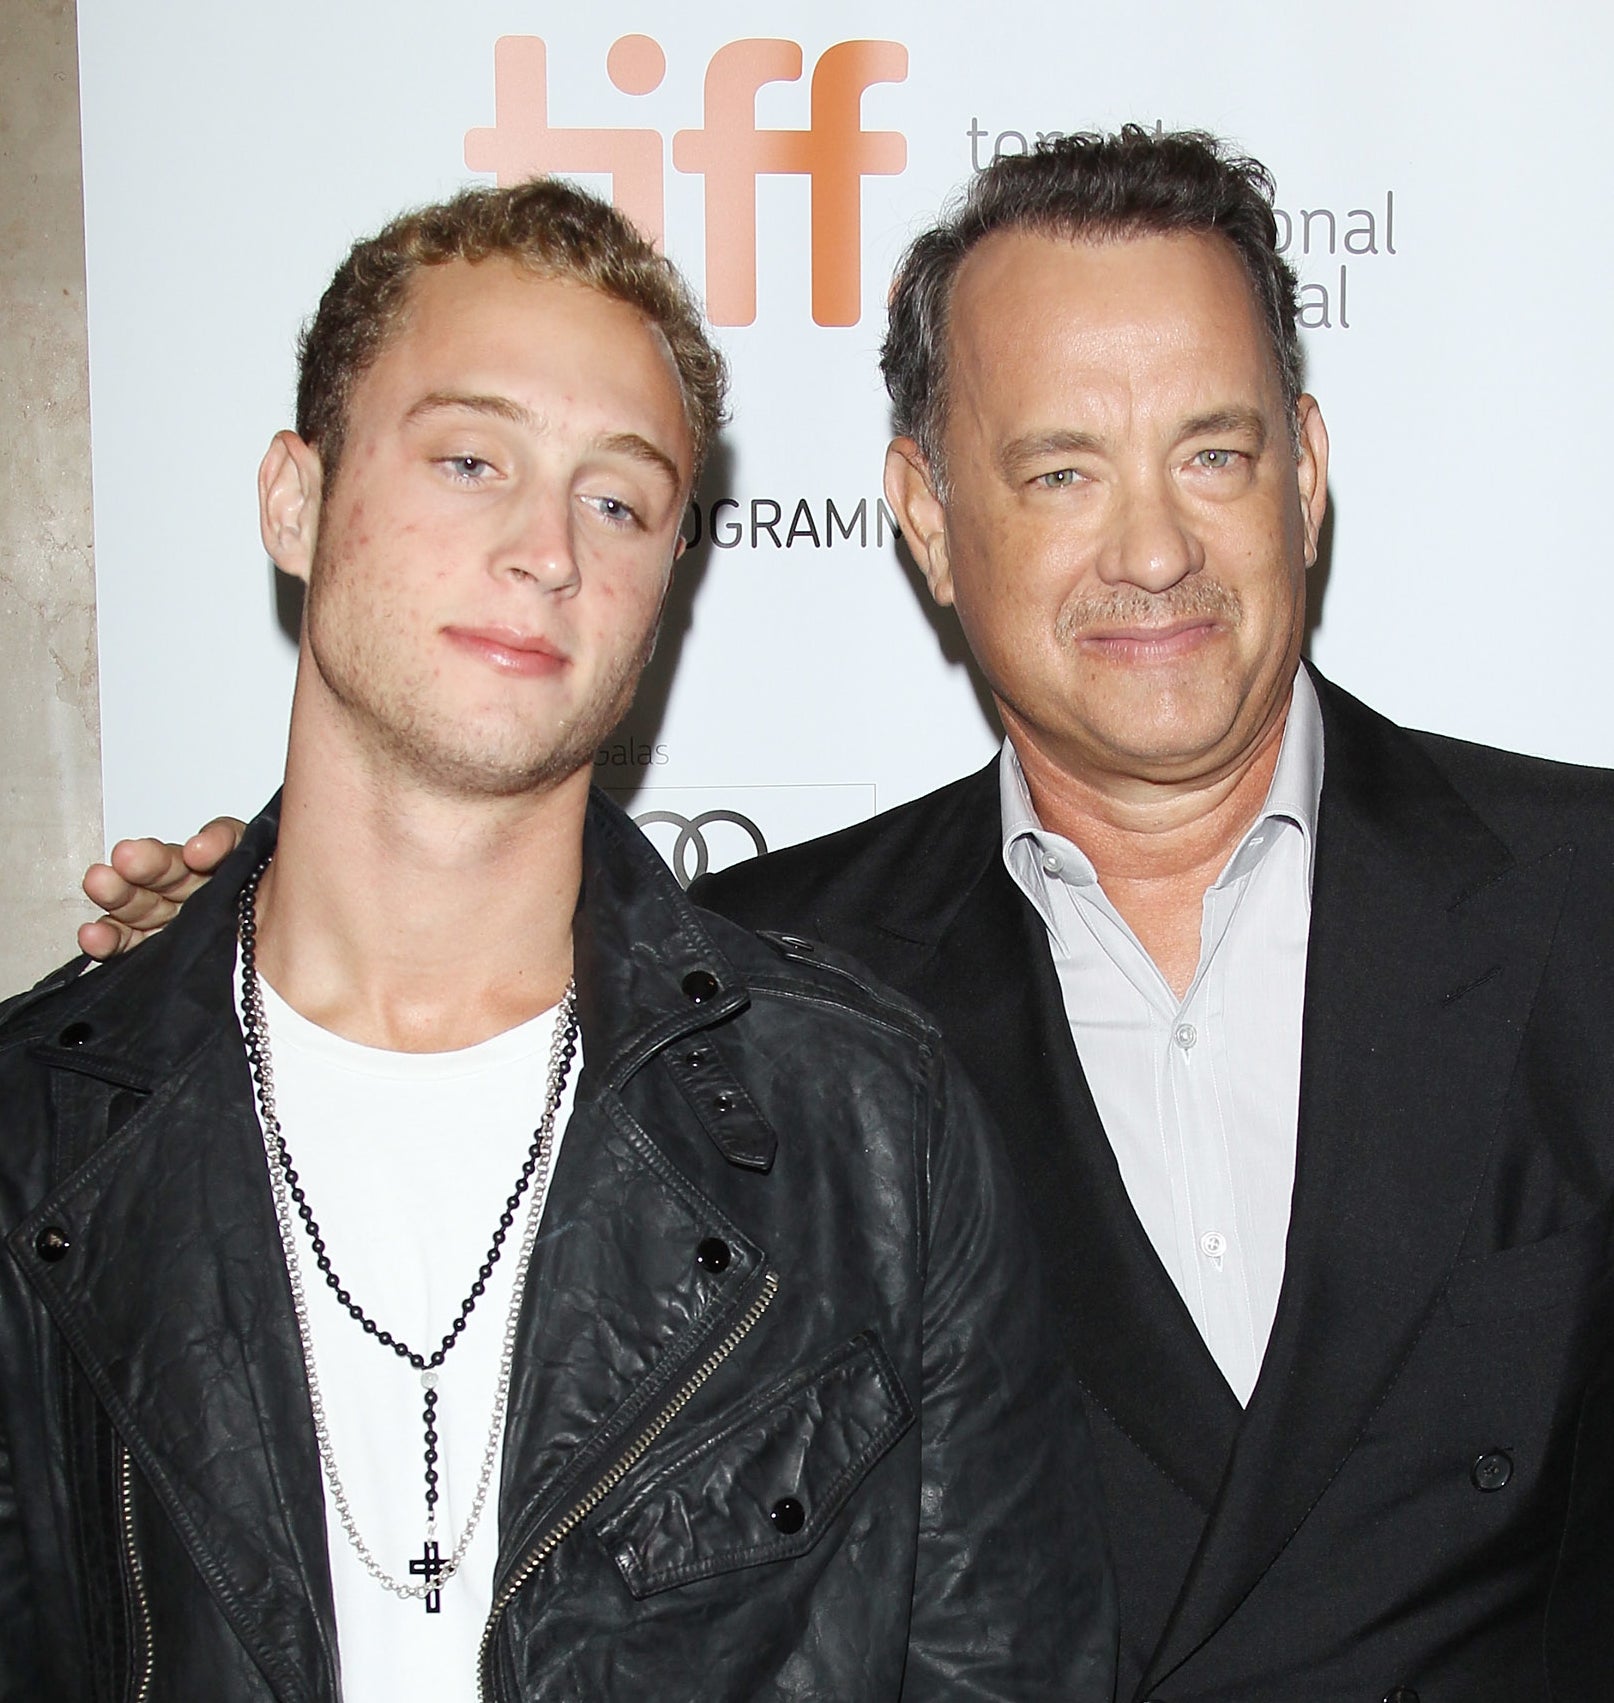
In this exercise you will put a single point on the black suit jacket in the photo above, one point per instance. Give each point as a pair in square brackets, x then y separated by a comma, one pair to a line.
[1419, 1494]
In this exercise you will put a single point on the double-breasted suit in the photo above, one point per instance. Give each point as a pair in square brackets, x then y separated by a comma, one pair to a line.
[1417, 1502]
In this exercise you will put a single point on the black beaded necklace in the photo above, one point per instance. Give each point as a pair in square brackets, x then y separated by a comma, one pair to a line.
[429, 1567]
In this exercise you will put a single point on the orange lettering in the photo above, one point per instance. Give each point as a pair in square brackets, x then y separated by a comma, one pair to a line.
[835, 152]
[521, 143]
[730, 152]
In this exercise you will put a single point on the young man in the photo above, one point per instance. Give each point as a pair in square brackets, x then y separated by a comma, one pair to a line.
[559, 1293]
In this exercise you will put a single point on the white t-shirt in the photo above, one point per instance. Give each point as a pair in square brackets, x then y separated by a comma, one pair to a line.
[408, 1160]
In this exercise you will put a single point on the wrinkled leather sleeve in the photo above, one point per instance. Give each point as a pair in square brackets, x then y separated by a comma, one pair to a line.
[20, 1680]
[1012, 1594]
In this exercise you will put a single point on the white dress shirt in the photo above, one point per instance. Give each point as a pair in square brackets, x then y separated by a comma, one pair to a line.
[1200, 1095]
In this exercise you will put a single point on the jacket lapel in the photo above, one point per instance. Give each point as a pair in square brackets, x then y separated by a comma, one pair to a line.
[980, 962]
[173, 1294]
[1426, 948]
[614, 1317]
[1132, 1341]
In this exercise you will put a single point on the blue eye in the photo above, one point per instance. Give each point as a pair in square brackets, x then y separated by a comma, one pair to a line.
[1058, 479]
[1216, 459]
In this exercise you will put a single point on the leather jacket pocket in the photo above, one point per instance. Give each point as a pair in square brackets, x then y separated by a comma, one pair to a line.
[765, 1485]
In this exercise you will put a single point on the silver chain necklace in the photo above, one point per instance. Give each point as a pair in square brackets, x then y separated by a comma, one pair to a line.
[429, 1568]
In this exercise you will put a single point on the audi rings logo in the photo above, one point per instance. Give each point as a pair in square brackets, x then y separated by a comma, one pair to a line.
[693, 853]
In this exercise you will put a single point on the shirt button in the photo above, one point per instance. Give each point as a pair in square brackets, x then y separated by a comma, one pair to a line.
[1213, 1244]
[1052, 863]
[1185, 1034]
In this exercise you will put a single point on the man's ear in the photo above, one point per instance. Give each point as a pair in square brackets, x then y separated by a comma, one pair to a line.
[290, 480]
[1312, 471]
[910, 491]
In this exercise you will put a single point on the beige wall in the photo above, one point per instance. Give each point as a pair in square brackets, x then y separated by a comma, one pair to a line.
[50, 738]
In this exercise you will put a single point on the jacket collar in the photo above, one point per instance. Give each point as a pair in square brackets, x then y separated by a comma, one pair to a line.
[647, 967]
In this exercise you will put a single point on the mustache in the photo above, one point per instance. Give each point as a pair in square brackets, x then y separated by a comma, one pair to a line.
[1132, 606]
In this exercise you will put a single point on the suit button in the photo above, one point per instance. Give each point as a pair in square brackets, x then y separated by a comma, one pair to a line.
[51, 1243]
[75, 1035]
[1491, 1471]
[699, 985]
[1401, 1694]
[788, 1515]
[713, 1254]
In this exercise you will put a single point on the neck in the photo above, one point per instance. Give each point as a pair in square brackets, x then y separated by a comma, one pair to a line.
[1137, 828]
[417, 922]
[1156, 846]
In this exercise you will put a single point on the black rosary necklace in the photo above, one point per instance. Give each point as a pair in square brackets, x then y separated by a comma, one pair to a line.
[291, 1204]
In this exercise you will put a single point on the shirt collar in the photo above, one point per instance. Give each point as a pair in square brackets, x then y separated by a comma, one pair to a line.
[1293, 797]
[1297, 782]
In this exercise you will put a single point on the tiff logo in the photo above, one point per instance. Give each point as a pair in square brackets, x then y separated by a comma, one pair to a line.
[835, 152]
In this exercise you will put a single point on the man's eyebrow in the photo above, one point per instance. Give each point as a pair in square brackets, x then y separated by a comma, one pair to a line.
[1036, 446]
[641, 449]
[501, 407]
[505, 408]
[1235, 422]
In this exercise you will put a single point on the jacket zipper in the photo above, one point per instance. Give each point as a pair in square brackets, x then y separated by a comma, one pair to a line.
[550, 1541]
[140, 1667]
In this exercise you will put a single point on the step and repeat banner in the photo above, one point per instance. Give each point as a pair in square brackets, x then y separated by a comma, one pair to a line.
[1441, 177]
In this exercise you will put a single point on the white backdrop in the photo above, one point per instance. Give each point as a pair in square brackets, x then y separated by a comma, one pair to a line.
[1441, 167]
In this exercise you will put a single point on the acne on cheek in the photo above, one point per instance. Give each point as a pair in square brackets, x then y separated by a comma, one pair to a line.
[358, 524]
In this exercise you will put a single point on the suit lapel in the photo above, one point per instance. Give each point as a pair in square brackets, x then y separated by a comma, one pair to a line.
[991, 983]
[1426, 949]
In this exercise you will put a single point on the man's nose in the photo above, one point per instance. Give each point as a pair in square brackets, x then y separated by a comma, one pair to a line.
[538, 543]
[1152, 543]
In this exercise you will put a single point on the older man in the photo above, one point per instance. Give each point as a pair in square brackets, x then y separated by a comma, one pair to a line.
[357, 1340]
[1295, 1022]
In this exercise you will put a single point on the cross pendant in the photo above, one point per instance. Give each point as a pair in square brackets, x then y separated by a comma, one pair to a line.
[427, 1565]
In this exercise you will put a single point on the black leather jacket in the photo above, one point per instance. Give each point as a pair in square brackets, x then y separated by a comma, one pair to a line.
[779, 1260]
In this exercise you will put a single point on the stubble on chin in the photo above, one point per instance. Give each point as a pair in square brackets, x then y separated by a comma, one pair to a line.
[414, 740]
